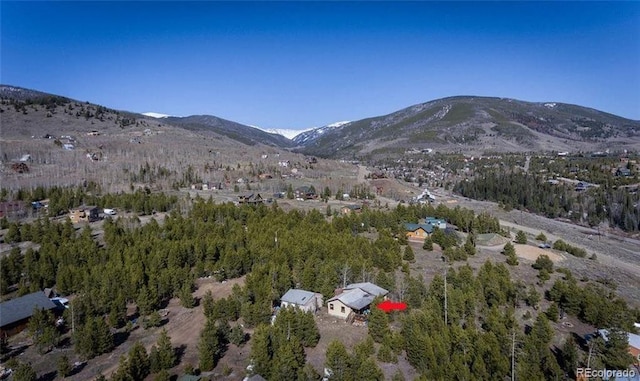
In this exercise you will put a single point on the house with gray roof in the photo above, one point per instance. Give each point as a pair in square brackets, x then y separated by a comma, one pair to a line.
[354, 298]
[305, 300]
[369, 288]
[15, 313]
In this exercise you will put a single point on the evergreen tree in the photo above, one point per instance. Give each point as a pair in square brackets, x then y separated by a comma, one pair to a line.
[521, 237]
[162, 355]
[552, 312]
[261, 351]
[543, 262]
[13, 234]
[209, 346]
[138, 362]
[569, 356]
[123, 373]
[385, 354]
[186, 297]
[615, 354]
[408, 254]
[237, 336]
[288, 360]
[508, 249]
[470, 245]
[428, 244]
[378, 324]
[368, 370]
[64, 367]
[338, 362]
[42, 330]
[533, 297]
[24, 372]
[166, 353]
[162, 375]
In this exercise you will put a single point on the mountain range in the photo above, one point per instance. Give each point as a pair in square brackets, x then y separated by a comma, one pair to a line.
[465, 124]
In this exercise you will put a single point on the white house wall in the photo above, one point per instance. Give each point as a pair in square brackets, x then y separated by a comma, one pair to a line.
[338, 309]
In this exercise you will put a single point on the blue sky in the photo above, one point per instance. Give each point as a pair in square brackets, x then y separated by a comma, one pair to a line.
[294, 65]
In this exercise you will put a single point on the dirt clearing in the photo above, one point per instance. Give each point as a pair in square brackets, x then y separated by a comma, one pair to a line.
[532, 253]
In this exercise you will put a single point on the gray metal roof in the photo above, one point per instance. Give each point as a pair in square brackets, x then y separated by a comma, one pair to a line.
[632, 338]
[297, 296]
[368, 287]
[355, 299]
[21, 308]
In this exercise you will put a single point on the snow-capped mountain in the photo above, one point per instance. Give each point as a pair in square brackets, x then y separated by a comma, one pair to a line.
[312, 134]
[156, 115]
[289, 134]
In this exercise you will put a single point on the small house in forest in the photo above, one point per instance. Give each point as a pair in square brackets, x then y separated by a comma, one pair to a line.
[304, 193]
[84, 214]
[305, 300]
[348, 209]
[250, 199]
[418, 232]
[355, 298]
[15, 313]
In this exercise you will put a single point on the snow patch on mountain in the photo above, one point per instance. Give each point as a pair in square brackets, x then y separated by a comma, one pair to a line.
[314, 133]
[156, 115]
[289, 134]
[337, 124]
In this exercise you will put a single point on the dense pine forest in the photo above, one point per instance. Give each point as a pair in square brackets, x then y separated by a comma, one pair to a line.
[618, 206]
[148, 264]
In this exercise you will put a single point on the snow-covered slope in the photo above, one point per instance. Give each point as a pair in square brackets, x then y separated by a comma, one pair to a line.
[308, 136]
[287, 133]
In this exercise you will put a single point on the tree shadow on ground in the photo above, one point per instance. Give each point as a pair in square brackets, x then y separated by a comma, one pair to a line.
[179, 351]
[120, 337]
[50, 376]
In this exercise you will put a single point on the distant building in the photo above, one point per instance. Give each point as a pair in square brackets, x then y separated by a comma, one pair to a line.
[15, 313]
[346, 210]
[633, 341]
[623, 172]
[13, 209]
[250, 199]
[436, 222]
[304, 193]
[84, 214]
[418, 232]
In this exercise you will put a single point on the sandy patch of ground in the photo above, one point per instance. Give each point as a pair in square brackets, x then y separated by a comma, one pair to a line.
[532, 253]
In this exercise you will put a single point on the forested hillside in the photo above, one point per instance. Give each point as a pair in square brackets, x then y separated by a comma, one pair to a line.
[583, 190]
[148, 264]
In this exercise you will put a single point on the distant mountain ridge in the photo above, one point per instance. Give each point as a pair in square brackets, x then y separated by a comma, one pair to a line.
[466, 124]
[476, 124]
[195, 123]
[240, 132]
